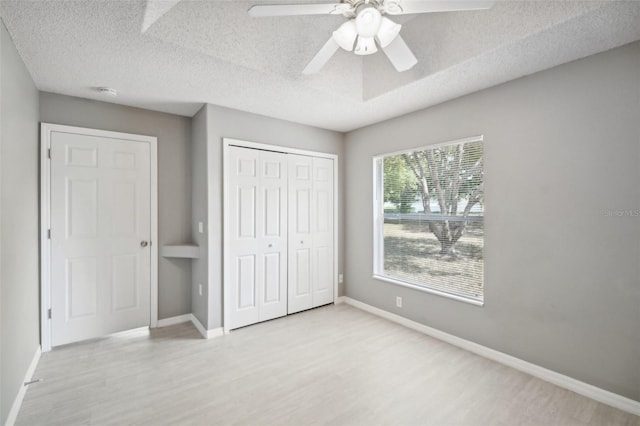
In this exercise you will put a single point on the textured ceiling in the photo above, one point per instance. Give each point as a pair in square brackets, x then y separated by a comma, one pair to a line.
[173, 56]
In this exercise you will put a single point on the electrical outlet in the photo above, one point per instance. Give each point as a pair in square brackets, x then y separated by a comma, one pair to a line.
[398, 301]
[200, 227]
[200, 289]
[340, 278]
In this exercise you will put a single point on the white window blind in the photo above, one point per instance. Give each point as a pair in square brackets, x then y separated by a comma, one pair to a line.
[429, 218]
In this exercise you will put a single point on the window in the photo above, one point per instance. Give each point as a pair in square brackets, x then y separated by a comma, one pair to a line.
[429, 219]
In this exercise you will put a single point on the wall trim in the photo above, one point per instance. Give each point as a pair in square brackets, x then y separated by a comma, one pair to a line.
[207, 334]
[215, 332]
[17, 403]
[166, 322]
[199, 326]
[598, 394]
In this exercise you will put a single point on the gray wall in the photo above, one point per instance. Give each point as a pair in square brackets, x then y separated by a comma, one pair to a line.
[199, 213]
[562, 279]
[174, 178]
[228, 123]
[19, 270]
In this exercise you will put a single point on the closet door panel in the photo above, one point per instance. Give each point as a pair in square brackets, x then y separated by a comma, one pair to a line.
[273, 234]
[302, 277]
[300, 293]
[245, 282]
[322, 229]
[244, 272]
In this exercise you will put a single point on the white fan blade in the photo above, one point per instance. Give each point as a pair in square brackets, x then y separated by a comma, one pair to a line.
[321, 57]
[262, 10]
[156, 9]
[404, 7]
[400, 55]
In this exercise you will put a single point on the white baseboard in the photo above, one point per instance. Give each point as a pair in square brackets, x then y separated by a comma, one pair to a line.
[199, 326]
[340, 299]
[17, 403]
[207, 334]
[166, 322]
[216, 332]
[582, 388]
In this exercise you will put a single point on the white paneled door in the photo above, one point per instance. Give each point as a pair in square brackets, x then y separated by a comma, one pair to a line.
[322, 227]
[257, 230]
[311, 245]
[100, 236]
[300, 233]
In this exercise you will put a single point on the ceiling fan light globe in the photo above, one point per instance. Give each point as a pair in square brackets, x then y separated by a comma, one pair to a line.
[365, 46]
[368, 22]
[388, 31]
[346, 35]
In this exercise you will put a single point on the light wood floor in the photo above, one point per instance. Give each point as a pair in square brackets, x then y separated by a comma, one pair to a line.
[333, 365]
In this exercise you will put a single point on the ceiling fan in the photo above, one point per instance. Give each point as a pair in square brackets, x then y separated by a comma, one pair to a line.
[367, 26]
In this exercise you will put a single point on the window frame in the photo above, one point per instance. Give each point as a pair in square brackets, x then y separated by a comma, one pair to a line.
[378, 224]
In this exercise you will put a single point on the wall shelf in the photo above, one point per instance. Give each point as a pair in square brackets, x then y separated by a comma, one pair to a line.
[189, 251]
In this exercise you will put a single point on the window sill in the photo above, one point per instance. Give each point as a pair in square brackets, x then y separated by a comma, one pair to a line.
[429, 290]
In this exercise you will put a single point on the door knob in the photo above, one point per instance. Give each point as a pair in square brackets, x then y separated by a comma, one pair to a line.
[143, 243]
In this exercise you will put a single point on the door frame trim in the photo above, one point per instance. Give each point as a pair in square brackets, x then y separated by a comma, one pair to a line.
[45, 218]
[226, 143]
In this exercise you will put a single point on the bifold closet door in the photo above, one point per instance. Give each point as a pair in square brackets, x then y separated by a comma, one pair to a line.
[310, 232]
[257, 264]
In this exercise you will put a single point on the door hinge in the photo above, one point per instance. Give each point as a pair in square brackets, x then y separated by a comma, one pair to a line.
[49, 153]
[49, 233]
[49, 313]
